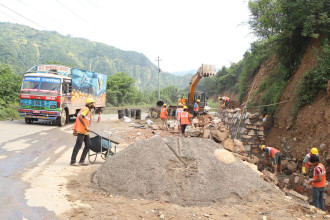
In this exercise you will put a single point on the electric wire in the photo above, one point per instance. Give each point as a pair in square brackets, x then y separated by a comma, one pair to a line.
[22, 16]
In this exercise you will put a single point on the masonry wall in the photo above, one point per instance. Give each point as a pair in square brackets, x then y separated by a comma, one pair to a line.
[246, 127]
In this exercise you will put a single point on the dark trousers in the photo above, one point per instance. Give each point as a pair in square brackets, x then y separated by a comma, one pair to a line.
[80, 139]
[318, 199]
[183, 128]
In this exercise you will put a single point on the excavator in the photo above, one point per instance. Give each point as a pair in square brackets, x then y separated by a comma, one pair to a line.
[205, 70]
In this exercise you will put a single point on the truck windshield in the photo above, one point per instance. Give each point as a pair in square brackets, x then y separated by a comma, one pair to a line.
[41, 84]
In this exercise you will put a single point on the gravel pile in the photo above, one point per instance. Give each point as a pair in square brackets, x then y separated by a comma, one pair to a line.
[184, 171]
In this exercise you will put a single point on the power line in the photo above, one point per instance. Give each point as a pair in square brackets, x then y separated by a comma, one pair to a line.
[69, 9]
[43, 15]
[9, 16]
[23, 16]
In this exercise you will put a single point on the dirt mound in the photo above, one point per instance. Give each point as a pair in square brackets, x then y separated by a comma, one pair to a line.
[185, 171]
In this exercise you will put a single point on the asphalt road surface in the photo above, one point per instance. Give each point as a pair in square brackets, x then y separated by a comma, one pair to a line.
[22, 147]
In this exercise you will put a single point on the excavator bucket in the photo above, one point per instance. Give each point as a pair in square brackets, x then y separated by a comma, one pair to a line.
[206, 70]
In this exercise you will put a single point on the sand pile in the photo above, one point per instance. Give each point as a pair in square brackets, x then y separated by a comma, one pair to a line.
[185, 171]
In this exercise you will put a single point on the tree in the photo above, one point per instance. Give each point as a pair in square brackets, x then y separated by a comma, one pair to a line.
[10, 84]
[120, 89]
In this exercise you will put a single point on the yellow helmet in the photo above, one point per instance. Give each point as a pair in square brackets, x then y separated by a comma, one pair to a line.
[180, 104]
[314, 150]
[262, 147]
[164, 104]
[219, 98]
[198, 100]
[89, 101]
[185, 107]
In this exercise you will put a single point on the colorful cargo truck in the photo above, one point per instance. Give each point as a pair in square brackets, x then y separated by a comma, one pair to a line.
[55, 92]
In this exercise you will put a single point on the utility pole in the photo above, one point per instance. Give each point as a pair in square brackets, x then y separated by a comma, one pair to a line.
[158, 78]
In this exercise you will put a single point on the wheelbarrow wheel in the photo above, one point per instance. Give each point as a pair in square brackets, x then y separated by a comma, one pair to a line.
[106, 154]
[92, 157]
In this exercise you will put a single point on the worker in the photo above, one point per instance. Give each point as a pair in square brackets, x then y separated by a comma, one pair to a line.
[163, 116]
[318, 182]
[185, 119]
[306, 163]
[178, 112]
[81, 130]
[196, 107]
[273, 153]
[226, 101]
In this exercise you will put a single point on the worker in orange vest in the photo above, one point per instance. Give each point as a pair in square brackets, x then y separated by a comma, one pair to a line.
[196, 107]
[178, 112]
[163, 116]
[185, 119]
[273, 153]
[306, 163]
[318, 182]
[81, 130]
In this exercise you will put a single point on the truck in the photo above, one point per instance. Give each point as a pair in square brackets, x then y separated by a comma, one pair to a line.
[57, 92]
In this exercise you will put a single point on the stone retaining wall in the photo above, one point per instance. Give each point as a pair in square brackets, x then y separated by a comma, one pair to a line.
[250, 127]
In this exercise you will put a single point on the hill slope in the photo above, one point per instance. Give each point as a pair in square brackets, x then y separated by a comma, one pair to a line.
[23, 47]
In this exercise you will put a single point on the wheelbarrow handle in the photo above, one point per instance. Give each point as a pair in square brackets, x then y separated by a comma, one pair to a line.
[94, 133]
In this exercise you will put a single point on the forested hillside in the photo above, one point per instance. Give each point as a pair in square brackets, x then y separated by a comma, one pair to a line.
[23, 47]
[285, 29]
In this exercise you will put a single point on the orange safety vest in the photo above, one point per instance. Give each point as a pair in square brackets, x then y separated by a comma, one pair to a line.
[272, 151]
[185, 118]
[163, 113]
[227, 99]
[178, 113]
[320, 184]
[78, 126]
[196, 108]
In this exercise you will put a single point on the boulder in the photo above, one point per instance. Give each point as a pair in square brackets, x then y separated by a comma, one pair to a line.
[206, 133]
[269, 177]
[220, 136]
[229, 144]
[292, 167]
[192, 132]
[238, 146]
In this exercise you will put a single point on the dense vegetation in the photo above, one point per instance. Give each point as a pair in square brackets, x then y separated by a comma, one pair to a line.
[9, 92]
[22, 47]
[284, 28]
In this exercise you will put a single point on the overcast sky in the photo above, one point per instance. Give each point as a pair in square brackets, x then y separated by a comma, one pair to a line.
[183, 33]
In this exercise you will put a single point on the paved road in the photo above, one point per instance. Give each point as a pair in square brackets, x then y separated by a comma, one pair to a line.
[28, 147]
[22, 147]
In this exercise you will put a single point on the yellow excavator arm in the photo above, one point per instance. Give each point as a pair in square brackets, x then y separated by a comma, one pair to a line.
[205, 70]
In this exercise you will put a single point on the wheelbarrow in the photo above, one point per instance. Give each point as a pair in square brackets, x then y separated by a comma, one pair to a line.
[101, 145]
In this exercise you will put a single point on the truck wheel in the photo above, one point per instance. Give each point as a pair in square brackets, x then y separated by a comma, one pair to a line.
[28, 121]
[62, 119]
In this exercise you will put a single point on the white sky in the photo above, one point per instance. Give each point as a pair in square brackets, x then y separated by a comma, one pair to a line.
[183, 33]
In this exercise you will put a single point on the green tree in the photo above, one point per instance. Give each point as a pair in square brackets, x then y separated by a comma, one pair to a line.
[120, 89]
[10, 84]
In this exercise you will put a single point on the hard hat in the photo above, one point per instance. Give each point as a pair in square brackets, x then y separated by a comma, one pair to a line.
[314, 150]
[219, 98]
[180, 104]
[185, 107]
[262, 147]
[89, 101]
[164, 104]
[198, 100]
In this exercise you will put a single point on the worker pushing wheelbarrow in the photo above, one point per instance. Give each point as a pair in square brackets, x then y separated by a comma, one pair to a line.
[101, 145]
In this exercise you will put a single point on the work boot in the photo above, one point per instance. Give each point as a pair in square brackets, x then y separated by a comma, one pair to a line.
[83, 164]
[73, 164]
